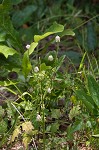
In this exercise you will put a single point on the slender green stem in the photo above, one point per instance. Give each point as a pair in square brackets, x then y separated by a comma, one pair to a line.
[57, 50]
[43, 113]
[43, 130]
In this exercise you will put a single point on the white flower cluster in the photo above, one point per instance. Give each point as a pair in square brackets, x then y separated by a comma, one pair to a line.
[57, 38]
[27, 46]
[36, 69]
[50, 58]
[49, 90]
[38, 117]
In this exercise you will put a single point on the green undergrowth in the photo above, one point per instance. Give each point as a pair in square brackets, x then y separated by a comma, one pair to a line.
[49, 75]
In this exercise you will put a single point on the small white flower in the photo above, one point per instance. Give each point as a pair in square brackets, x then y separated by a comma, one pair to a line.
[49, 90]
[27, 46]
[36, 69]
[50, 58]
[38, 118]
[57, 39]
[43, 107]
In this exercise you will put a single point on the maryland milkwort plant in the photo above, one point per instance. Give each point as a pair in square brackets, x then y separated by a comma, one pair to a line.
[38, 88]
[49, 108]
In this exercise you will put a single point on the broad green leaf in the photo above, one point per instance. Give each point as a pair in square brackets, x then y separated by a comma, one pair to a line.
[15, 134]
[43, 67]
[93, 87]
[91, 37]
[6, 51]
[31, 49]
[67, 32]
[55, 28]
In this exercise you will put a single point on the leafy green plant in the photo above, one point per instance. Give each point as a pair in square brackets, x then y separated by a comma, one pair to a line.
[39, 111]
[89, 96]
[36, 87]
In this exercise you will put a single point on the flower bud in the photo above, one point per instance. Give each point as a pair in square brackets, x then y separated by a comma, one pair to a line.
[27, 46]
[38, 118]
[57, 39]
[36, 69]
[49, 90]
[43, 107]
[50, 58]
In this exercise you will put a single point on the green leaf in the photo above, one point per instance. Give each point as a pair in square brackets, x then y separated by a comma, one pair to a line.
[75, 127]
[1, 112]
[31, 49]
[55, 113]
[43, 67]
[22, 16]
[15, 134]
[75, 57]
[2, 35]
[95, 136]
[26, 140]
[74, 112]
[5, 6]
[93, 87]
[54, 127]
[6, 51]
[55, 28]
[91, 37]
[12, 36]
[27, 105]
[3, 127]
[86, 99]
[26, 65]
[67, 32]
[11, 112]
[60, 61]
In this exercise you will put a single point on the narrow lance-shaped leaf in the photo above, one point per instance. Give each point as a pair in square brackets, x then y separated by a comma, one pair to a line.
[87, 100]
[93, 89]
[26, 64]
